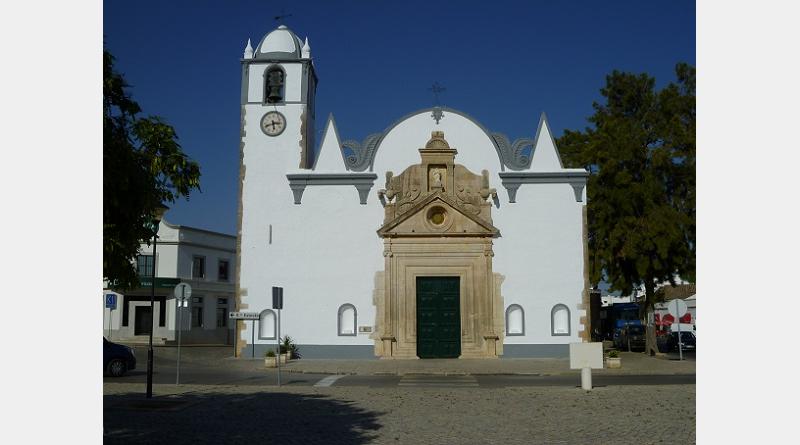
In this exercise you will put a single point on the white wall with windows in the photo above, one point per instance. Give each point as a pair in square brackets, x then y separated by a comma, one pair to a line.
[205, 320]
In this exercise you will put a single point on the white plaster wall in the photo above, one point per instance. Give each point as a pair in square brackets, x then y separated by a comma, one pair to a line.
[400, 148]
[325, 252]
[540, 253]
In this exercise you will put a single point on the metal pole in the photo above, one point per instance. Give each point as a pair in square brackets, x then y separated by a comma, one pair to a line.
[279, 347]
[628, 336]
[152, 318]
[110, 314]
[253, 342]
[180, 328]
[680, 342]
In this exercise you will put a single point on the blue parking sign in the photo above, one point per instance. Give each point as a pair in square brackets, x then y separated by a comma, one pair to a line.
[111, 301]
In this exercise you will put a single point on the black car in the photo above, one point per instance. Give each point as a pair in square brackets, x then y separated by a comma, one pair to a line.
[117, 359]
[687, 338]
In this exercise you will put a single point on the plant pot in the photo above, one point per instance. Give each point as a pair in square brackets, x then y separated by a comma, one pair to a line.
[613, 362]
[283, 358]
[270, 362]
[288, 355]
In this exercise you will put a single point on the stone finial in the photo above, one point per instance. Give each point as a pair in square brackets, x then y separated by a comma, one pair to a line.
[248, 50]
[437, 140]
[306, 50]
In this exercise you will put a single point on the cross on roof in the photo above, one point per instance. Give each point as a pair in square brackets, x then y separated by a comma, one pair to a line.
[436, 89]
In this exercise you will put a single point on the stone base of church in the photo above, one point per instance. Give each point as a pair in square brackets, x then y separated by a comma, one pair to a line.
[313, 352]
[536, 351]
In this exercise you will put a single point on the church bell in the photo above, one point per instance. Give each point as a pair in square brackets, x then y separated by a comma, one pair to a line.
[275, 86]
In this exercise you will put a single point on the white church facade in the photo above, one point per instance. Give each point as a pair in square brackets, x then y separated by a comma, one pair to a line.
[435, 238]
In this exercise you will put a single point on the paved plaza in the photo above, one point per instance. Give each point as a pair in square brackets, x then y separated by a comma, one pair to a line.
[519, 401]
[464, 414]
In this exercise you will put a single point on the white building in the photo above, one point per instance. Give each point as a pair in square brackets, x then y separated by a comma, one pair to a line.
[432, 238]
[205, 260]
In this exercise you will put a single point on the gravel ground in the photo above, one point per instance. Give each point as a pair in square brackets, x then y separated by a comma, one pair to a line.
[363, 415]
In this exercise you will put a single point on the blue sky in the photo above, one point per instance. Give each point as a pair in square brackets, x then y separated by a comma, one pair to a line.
[502, 62]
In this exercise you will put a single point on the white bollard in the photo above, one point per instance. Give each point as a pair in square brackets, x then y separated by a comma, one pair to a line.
[586, 379]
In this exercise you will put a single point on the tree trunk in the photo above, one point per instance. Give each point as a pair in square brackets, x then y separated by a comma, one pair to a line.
[651, 346]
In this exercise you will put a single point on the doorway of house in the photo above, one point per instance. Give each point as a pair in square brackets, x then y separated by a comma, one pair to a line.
[143, 320]
[438, 317]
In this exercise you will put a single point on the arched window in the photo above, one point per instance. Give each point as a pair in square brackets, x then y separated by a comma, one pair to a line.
[347, 320]
[515, 320]
[267, 325]
[274, 85]
[559, 319]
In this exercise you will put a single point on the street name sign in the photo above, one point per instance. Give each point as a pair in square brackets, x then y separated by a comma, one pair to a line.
[586, 355]
[243, 316]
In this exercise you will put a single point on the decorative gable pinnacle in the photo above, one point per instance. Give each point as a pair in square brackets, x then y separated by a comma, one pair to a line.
[248, 50]
[437, 140]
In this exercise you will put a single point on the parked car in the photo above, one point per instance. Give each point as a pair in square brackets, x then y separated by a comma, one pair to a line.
[632, 336]
[671, 342]
[117, 359]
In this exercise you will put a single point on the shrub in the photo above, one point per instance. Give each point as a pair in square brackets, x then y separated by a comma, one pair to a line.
[613, 354]
[288, 345]
[270, 353]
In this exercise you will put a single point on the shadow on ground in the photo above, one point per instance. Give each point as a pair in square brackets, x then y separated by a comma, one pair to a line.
[263, 417]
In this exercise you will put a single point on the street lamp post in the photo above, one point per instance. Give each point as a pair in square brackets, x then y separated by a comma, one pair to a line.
[158, 214]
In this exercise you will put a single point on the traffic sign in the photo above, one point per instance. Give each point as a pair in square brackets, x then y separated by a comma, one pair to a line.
[277, 297]
[183, 290]
[111, 301]
[243, 315]
[677, 308]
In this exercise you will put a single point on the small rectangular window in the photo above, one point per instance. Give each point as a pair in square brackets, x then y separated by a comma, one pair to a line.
[197, 317]
[144, 265]
[222, 317]
[199, 267]
[222, 273]
[222, 302]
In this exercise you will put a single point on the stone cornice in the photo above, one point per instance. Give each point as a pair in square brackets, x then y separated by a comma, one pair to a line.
[512, 180]
[363, 182]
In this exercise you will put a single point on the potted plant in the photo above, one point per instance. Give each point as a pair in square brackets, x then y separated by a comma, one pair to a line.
[613, 360]
[270, 359]
[289, 348]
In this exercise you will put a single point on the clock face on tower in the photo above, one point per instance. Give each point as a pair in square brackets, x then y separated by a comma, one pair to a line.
[273, 123]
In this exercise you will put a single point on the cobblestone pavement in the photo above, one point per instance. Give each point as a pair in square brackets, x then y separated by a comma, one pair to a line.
[632, 363]
[406, 415]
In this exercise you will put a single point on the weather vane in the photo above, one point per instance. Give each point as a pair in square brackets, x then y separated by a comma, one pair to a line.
[437, 113]
[279, 18]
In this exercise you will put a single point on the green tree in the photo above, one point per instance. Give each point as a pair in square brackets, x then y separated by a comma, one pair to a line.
[143, 167]
[640, 152]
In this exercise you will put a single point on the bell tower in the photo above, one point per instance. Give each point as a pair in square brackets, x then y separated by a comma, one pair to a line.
[277, 138]
[278, 89]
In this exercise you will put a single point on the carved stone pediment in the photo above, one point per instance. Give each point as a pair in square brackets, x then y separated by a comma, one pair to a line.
[438, 215]
[409, 198]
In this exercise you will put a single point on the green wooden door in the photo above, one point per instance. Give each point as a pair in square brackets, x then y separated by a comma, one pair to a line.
[438, 317]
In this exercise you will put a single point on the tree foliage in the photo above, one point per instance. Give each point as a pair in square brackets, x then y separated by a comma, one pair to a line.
[143, 167]
[641, 190]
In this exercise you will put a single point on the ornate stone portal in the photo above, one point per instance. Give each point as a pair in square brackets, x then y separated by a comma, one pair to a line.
[438, 223]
